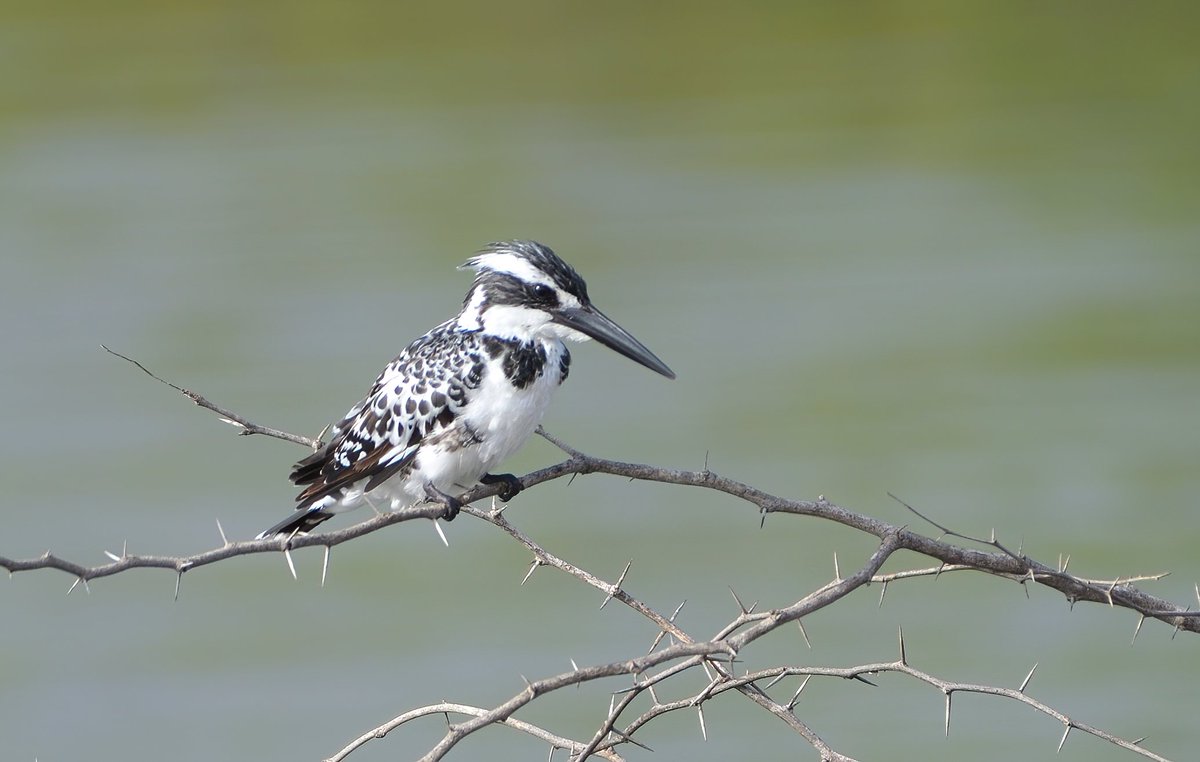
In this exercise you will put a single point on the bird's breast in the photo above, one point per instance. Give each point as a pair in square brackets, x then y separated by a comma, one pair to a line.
[507, 407]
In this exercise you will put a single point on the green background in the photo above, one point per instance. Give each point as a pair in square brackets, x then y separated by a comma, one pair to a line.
[947, 250]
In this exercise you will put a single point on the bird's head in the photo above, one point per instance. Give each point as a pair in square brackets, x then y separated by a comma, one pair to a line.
[524, 291]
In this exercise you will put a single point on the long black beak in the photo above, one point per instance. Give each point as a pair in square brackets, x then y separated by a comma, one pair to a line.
[592, 322]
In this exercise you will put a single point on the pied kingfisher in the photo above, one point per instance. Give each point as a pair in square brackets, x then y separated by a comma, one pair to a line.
[463, 397]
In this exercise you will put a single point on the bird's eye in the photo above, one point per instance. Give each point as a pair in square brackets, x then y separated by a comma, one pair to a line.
[544, 293]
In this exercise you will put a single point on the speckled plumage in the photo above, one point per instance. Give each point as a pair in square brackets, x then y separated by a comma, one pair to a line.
[463, 397]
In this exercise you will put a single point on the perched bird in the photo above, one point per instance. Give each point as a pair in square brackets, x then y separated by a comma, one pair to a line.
[463, 397]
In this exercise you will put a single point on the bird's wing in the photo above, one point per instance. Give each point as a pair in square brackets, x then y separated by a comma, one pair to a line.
[417, 395]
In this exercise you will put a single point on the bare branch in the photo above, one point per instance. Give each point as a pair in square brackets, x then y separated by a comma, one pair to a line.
[532, 690]
[555, 741]
[608, 736]
[1115, 593]
[684, 652]
[245, 426]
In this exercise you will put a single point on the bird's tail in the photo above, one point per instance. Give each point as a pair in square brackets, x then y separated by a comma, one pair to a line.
[298, 523]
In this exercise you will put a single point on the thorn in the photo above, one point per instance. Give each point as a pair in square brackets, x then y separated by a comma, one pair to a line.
[677, 610]
[498, 509]
[837, 572]
[438, 526]
[1028, 677]
[882, 592]
[706, 461]
[774, 680]
[617, 587]
[903, 656]
[653, 695]
[624, 572]
[551, 757]
[762, 522]
[1063, 740]
[178, 579]
[287, 553]
[574, 666]
[803, 684]
[1137, 742]
[612, 704]
[705, 695]
[113, 556]
[940, 569]
[948, 695]
[1136, 630]
[536, 563]
[325, 565]
[628, 739]
[992, 537]
[74, 585]
[1065, 564]
[804, 632]
[663, 633]
[657, 639]
[1198, 592]
[738, 600]
[703, 730]
[221, 529]
[796, 696]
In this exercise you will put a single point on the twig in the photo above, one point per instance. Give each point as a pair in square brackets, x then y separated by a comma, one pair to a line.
[555, 741]
[246, 427]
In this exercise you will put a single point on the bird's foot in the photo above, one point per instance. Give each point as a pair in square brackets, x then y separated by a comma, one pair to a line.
[451, 503]
[510, 485]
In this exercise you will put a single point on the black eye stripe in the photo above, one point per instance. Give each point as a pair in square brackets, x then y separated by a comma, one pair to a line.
[502, 288]
[542, 295]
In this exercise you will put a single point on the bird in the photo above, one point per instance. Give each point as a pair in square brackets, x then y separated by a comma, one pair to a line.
[458, 401]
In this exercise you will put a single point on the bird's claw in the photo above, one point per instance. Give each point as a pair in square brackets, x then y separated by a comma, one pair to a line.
[510, 485]
[451, 503]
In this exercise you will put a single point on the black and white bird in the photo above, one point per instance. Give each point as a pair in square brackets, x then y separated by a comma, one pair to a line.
[463, 397]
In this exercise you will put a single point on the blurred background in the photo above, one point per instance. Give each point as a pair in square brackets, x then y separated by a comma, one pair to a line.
[945, 250]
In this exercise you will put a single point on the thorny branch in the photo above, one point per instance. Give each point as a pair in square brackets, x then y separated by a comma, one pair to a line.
[246, 427]
[716, 656]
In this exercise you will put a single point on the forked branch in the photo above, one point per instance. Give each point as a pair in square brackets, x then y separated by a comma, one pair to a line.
[674, 651]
